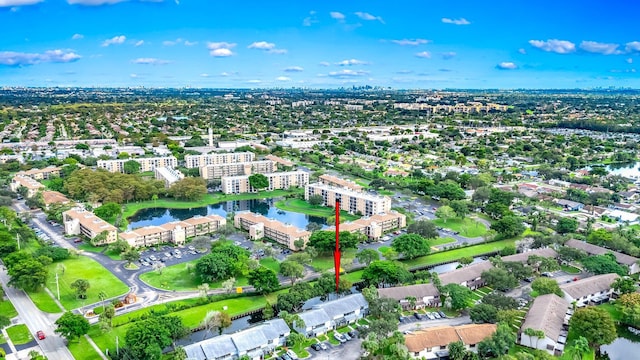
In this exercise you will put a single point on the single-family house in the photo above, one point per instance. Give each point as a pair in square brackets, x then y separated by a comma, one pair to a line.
[623, 259]
[547, 314]
[623, 216]
[432, 343]
[424, 295]
[469, 276]
[593, 290]
[569, 205]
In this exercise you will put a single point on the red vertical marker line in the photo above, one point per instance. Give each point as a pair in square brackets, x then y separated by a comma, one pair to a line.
[336, 253]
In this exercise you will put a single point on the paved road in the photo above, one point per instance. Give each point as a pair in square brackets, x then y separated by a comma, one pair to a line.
[53, 346]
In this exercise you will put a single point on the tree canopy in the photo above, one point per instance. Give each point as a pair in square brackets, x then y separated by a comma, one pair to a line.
[411, 245]
[326, 240]
[595, 324]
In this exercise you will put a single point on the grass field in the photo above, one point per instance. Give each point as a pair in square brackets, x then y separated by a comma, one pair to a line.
[44, 302]
[441, 241]
[467, 227]
[303, 207]
[450, 255]
[19, 334]
[82, 267]
[325, 261]
[91, 248]
[82, 350]
[180, 277]
[570, 269]
[7, 309]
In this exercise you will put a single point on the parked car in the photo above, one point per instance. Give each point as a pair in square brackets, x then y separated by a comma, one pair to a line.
[315, 347]
[77, 240]
[443, 315]
[292, 354]
[40, 334]
[436, 315]
[346, 336]
[323, 346]
[416, 315]
[430, 316]
[339, 337]
[353, 334]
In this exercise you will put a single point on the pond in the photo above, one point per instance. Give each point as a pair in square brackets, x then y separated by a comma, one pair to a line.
[453, 265]
[266, 207]
[626, 344]
[628, 170]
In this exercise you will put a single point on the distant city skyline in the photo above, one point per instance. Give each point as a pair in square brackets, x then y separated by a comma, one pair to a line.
[399, 44]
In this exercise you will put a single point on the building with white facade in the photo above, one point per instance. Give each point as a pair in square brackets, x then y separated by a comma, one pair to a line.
[593, 290]
[168, 175]
[262, 227]
[279, 180]
[332, 314]
[146, 164]
[217, 171]
[547, 313]
[353, 202]
[198, 161]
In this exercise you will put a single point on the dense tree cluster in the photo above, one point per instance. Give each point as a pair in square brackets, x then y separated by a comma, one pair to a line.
[103, 186]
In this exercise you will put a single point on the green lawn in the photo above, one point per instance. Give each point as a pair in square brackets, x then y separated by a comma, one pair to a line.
[19, 334]
[7, 309]
[303, 207]
[43, 301]
[113, 255]
[384, 249]
[467, 227]
[441, 241]
[455, 254]
[82, 350]
[2, 339]
[325, 261]
[179, 278]
[208, 199]
[570, 269]
[332, 340]
[91, 248]
[83, 267]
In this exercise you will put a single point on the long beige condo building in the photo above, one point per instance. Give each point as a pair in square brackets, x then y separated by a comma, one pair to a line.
[338, 182]
[280, 180]
[82, 222]
[146, 164]
[353, 202]
[198, 161]
[375, 226]
[217, 171]
[262, 227]
[174, 232]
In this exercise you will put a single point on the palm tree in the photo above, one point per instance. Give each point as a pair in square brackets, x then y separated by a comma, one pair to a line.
[102, 296]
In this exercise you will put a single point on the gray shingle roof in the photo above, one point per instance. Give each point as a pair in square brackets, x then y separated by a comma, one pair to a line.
[598, 250]
[314, 317]
[523, 257]
[249, 339]
[466, 273]
[277, 327]
[218, 346]
[194, 352]
[547, 314]
[343, 305]
[588, 286]
[402, 292]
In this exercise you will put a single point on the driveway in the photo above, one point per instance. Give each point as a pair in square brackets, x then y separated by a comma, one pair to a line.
[351, 350]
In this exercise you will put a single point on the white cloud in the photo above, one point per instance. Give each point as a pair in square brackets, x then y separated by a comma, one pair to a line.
[220, 49]
[150, 61]
[190, 43]
[337, 15]
[347, 73]
[633, 46]
[629, 61]
[254, 81]
[277, 51]
[94, 2]
[77, 37]
[294, 69]
[139, 43]
[424, 54]
[283, 78]
[507, 65]
[522, 51]
[9, 3]
[350, 62]
[600, 48]
[554, 45]
[204, 75]
[448, 55]
[461, 21]
[410, 42]
[310, 20]
[368, 17]
[324, 63]
[262, 45]
[114, 40]
[134, 76]
[172, 42]
[12, 58]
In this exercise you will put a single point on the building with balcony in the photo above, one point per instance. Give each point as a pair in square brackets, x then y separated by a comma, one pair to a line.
[353, 202]
[280, 180]
[82, 222]
[338, 182]
[198, 161]
[261, 227]
[175, 232]
[146, 164]
[217, 171]
[374, 226]
[168, 175]
[42, 174]
[31, 185]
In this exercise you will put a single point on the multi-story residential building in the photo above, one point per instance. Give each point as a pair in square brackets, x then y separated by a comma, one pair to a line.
[146, 164]
[351, 201]
[217, 171]
[332, 314]
[548, 314]
[282, 180]
[42, 174]
[31, 185]
[261, 227]
[175, 232]
[54, 197]
[375, 226]
[432, 343]
[82, 222]
[198, 161]
[593, 290]
[590, 249]
[168, 174]
[256, 343]
[338, 182]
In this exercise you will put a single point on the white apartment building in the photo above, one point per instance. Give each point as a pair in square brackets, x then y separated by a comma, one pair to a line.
[146, 164]
[198, 161]
[353, 202]
[281, 180]
[217, 171]
[168, 174]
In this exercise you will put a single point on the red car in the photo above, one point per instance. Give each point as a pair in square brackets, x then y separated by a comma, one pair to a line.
[40, 335]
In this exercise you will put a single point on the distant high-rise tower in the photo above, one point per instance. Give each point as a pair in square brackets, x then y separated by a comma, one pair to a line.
[210, 137]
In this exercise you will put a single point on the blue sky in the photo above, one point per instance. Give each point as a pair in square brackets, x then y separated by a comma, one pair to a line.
[318, 44]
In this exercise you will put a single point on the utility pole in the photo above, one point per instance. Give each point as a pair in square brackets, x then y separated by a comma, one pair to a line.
[117, 346]
[57, 286]
[18, 239]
